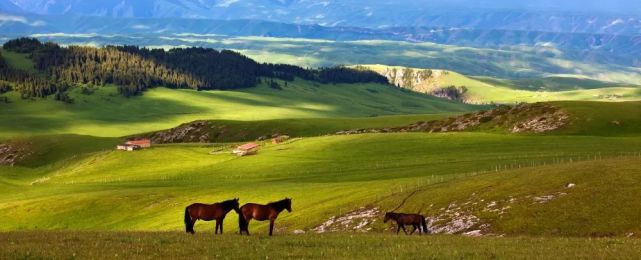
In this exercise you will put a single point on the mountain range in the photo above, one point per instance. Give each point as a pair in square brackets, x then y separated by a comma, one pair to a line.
[587, 31]
[615, 16]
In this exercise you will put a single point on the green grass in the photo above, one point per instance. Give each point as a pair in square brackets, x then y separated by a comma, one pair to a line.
[549, 88]
[326, 176]
[85, 245]
[18, 60]
[603, 119]
[604, 201]
[105, 113]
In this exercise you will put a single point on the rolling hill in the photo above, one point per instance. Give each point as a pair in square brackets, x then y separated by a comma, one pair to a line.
[494, 90]
[509, 62]
[337, 175]
[106, 113]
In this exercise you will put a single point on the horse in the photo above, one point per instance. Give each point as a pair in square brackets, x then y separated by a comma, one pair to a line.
[209, 212]
[259, 212]
[416, 220]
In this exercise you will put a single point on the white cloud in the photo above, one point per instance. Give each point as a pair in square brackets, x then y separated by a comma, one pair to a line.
[4, 18]
[140, 27]
[226, 3]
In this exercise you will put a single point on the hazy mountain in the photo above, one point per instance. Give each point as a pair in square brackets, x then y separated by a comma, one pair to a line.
[614, 16]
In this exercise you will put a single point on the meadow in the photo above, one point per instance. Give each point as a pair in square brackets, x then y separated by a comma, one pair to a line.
[133, 245]
[570, 193]
[106, 113]
[484, 90]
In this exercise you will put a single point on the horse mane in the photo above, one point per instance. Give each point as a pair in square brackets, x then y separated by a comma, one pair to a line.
[279, 205]
[228, 204]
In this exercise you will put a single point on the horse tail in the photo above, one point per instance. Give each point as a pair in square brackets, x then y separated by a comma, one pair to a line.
[189, 225]
[242, 222]
[425, 231]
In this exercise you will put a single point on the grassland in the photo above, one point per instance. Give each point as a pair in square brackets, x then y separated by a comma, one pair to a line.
[344, 246]
[18, 61]
[75, 195]
[326, 176]
[543, 89]
[105, 113]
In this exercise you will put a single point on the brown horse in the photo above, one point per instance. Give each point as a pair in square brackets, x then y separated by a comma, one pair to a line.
[209, 212]
[416, 220]
[259, 212]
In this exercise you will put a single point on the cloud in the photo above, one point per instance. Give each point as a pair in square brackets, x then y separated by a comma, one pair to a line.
[7, 18]
[226, 3]
[140, 27]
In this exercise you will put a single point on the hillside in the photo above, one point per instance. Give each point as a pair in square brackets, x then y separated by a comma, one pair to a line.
[431, 169]
[453, 85]
[326, 176]
[554, 118]
[106, 113]
[511, 62]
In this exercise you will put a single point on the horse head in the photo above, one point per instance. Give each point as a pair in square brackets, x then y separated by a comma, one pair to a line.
[236, 205]
[288, 204]
[388, 216]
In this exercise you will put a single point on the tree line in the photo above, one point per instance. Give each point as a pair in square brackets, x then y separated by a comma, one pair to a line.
[134, 69]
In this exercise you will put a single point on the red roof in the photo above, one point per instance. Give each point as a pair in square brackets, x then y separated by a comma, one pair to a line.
[248, 146]
[139, 142]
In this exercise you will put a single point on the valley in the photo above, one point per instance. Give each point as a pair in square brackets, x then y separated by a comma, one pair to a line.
[506, 131]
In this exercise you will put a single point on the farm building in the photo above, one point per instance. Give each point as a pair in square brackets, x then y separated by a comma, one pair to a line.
[134, 145]
[128, 147]
[143, 143]
[246, 149]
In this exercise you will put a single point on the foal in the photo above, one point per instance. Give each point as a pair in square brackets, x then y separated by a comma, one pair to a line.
[209, 212]
[259, 212]
[416, 220]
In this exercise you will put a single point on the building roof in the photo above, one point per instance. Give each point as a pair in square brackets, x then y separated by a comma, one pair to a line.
[142, 141]
[248, 146]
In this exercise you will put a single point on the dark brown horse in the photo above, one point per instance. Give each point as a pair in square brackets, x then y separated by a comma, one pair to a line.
[209, 212]
[259, 212]
[416, 220]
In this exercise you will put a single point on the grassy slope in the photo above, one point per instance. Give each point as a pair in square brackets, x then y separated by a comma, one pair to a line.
[603, 119]
[105, 113]
[344, 246]
[325, 175]
[18, 61]
[236, 131]
[551, 88]
[604, 202]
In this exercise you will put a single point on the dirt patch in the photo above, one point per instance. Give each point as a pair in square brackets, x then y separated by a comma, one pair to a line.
[359, 221]
[548, 198]
[12, 153]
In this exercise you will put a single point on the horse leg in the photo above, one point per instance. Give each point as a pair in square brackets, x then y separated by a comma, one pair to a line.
[217, 225]
[247, 227]
[398, 229]
[404, 230]
[221, 226]
[413, 225]
[271, 226]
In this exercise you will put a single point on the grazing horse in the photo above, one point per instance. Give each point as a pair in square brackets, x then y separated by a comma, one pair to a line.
[259, 212]
[209, 212]
[416, 220]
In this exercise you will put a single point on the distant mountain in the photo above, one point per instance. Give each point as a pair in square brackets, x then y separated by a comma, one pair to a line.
[579, 16]
[621, 49]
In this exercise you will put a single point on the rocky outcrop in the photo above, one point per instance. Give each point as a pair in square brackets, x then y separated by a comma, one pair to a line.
[424, 81]
[359, 220]
[523, 118]
[194, 132]
[210, 132]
